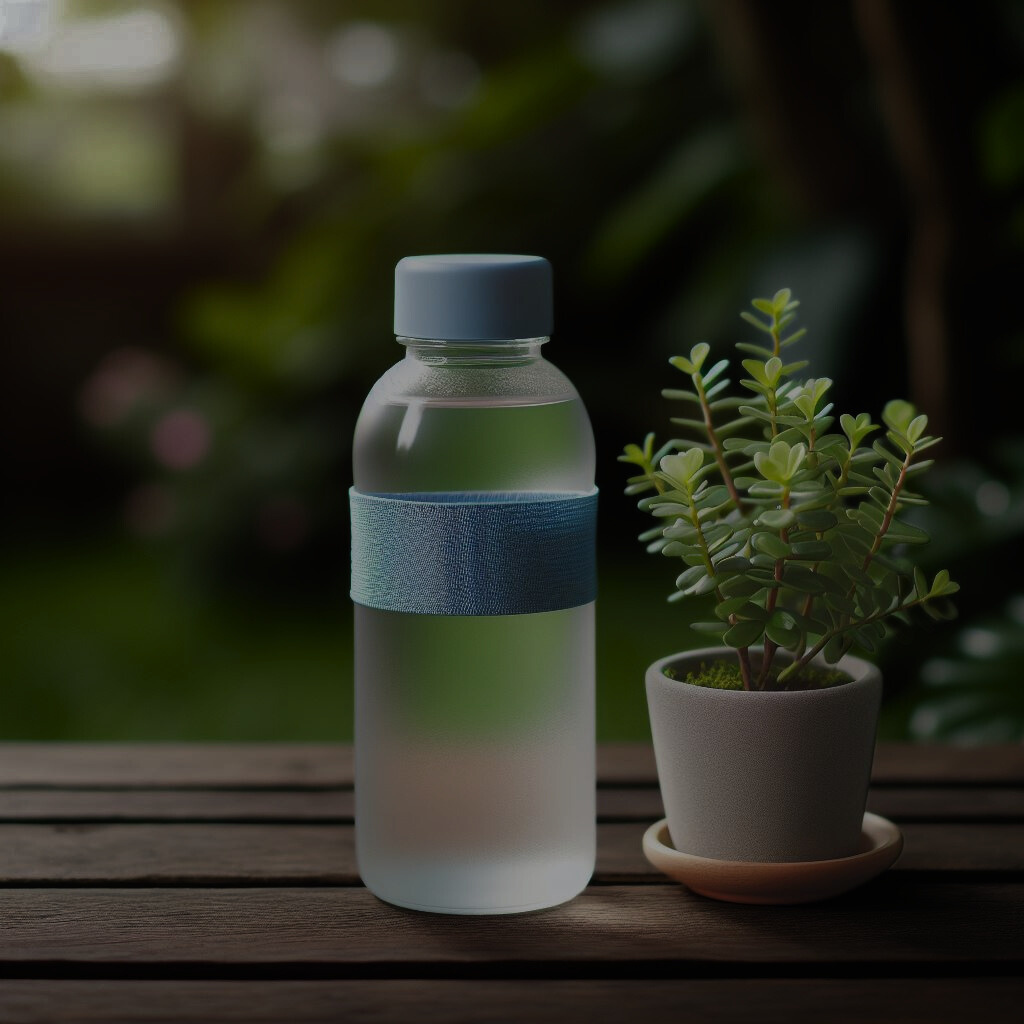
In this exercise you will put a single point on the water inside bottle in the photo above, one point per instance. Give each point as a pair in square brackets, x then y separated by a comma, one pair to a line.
[428, 445]
[476, 794]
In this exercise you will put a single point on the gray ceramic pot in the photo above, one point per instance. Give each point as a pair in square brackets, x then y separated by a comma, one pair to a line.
[763, 776]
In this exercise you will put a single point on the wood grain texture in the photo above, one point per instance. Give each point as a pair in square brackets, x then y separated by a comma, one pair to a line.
[891, 922]
[895, 763]
[226, 855]
[948, 803]
[175, 765]
[171, 805]
[222, 765]
[614, 803]
[218, 883]
[402, 1001]
[939, 764]
[900, 803]
[209, 854]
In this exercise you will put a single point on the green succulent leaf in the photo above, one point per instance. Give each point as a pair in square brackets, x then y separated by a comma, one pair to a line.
[799, 577]
[744, 633]
[715, 371]
[688, 578]
[776, 518]
[754, 322]
[942, 585]
[916, 427]
[699, 353]
[681, 469]
[818, 519]
[812, 550]
[757, 371]
[898, 414]
[809, 394]
[732, 563]
[772, 545]
[904, 533]
[856, 428]
[781, 462]
[834, 649]
[782, 629]
[740, 605]
[713, 628]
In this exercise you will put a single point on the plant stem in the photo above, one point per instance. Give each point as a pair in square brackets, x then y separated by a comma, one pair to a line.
[883, 529]
[744, 656]
[805, 611]
[770, 647]
[890, 511]
[773, 401]
[709, 567]
[716, 446]
[844, 476]
[652, 475]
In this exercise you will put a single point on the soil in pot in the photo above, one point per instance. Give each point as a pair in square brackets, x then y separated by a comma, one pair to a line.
[725, 675]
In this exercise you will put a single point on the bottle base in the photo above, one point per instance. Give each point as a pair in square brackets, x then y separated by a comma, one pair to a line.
[525, 908]
[476, 911]
[480, 891]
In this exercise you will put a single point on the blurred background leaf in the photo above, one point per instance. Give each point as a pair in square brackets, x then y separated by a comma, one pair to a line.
[201, 204]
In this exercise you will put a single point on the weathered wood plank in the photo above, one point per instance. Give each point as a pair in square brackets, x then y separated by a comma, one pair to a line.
[208, 854]
[900, 803]
[625, 803]
[962, 848]
[626, 764]
[895, 764]
[938, 764]
[260, 765]
[213, 765]
[225, 855]
[598, 1001]
[176, 765]
[945, 803]
[891, 922]
[169, 805]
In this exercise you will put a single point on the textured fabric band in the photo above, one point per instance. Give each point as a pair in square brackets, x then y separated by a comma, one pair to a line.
[473, 554]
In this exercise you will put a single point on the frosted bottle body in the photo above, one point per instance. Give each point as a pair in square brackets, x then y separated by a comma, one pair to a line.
[474, 733]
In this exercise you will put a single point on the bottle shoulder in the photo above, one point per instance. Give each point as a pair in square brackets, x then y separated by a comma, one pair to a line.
[498, 428]
[529, 382]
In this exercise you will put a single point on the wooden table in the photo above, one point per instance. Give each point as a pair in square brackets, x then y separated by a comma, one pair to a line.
[217, 883]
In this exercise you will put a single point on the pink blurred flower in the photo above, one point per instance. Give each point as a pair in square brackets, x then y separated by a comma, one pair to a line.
[181, 439]
[125, 379]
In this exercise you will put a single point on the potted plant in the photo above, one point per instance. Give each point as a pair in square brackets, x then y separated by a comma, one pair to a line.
[794, 534]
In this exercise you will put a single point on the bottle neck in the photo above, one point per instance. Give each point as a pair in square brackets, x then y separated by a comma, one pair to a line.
[516, 352]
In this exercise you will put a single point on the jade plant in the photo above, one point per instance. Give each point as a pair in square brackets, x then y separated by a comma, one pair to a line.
[796, 529]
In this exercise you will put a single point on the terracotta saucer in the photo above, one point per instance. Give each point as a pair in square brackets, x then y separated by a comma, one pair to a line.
[788, 882]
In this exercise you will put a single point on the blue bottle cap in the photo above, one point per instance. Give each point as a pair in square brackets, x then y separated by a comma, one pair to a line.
[473, 297]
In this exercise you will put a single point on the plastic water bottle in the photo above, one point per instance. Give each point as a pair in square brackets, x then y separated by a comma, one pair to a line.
[472, 546]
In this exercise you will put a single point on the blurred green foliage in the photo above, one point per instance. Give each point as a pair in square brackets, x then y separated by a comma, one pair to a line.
[198, 234]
